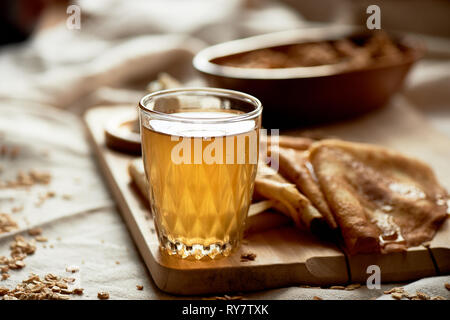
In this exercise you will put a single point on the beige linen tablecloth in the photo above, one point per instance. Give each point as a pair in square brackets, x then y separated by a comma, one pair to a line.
[47, 83]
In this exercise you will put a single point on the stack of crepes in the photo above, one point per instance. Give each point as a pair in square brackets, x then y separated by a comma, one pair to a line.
[379, 199]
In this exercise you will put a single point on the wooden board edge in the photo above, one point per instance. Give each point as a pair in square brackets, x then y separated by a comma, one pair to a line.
[440, 248]
[416, 263]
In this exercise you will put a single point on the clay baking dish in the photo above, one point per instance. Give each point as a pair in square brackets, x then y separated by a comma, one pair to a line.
[300, 96]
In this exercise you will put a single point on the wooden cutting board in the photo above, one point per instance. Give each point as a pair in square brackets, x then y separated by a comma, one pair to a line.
[285, 256]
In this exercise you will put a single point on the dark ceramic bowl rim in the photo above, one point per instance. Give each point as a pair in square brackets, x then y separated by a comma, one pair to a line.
[202, 60]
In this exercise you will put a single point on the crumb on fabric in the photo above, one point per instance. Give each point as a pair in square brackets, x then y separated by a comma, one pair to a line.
[102, 295]
[35, 231]
[248, 257]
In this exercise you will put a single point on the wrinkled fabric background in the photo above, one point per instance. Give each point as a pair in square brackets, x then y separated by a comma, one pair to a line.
[47, 83]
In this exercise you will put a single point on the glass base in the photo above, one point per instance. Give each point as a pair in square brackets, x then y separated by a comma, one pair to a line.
[197, 251]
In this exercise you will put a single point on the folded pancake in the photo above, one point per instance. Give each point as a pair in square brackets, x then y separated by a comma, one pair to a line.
[286, 198]
[381, 199]
[294, 165]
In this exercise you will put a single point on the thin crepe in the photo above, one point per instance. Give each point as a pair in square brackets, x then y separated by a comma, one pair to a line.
[286, 198]
[382, 200]
[294, 165]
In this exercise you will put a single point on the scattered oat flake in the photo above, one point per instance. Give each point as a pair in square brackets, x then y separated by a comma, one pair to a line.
[35, 231]
[437, 298]
[72, 269]
[102, 295]
[67, 197]
[35, 288]
[41, 239]
[397, 295]
[447, 286]
[28, 179]
[44, 197]
[62, 285]
[422, 295]
[317, 298]
[7, 223]
[17, 209]
[409, 296]
[117, 262]
[248, 257]
[337, 287]
[352, 286]
[21, 247]
[139, 287]
[78, 291]
[3, 291]
[395, 289]
[40, 177]
[51, 277]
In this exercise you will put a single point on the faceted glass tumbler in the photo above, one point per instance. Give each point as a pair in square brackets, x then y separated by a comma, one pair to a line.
[200, 151]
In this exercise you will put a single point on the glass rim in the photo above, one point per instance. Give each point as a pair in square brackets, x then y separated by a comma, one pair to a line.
[205, 91]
